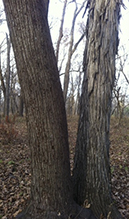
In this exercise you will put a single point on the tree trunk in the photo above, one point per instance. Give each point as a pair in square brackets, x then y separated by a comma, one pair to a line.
[21, 104]
[13, 103]
[2, 79]
[7, 97]
[61, 31]
[91, 172]
[45, 109]
[51, 193]
[0, 87]
[3, 88]
[0, 105]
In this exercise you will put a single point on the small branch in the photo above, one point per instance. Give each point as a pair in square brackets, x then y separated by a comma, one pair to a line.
[76, 45]
[61, 31]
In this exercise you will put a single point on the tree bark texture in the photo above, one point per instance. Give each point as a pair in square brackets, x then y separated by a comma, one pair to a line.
[91, 172]
[45, 109]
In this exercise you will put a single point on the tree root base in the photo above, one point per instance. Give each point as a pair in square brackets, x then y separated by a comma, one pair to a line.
[76, 212]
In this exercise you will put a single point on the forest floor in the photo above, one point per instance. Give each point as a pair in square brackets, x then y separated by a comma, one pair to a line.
[15, 176]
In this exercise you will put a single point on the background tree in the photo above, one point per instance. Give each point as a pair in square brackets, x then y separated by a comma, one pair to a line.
[3, 87]
[91, 174]
[73, 99]
[71, 49]
[7, 97]
[69, 39]
[9, 79]
[120, 90]
[21, 105]
[61, 30]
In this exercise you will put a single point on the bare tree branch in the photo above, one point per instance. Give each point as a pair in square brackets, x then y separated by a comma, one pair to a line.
[61, 30]
[125, 76]
[76, 45]
[71, 49]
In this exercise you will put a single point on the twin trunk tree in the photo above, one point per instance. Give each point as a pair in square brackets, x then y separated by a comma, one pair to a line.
[51, 185]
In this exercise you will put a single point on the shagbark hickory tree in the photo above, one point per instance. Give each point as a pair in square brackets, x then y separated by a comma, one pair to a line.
[91, 172]
[51, 189]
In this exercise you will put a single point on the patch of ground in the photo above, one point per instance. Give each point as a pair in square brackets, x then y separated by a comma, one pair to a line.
[15, 176]
[119, 156]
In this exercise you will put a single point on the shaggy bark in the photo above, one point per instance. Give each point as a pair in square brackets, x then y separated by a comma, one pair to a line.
[91, 172]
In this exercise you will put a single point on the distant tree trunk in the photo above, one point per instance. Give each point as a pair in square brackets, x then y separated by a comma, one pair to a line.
[0, 86]
[70, 104]
[21, 105]
[13, 103]
[2, 78]
[78, 92]
[0, 105]
[92, 166]
[7, 99]
[45, 109]
[61, 31]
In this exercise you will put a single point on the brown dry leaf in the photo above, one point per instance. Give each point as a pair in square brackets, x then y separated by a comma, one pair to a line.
[86, 204]
[108, 217]
[127, 206]
[4, 217]
[17, 212]
[15, 179]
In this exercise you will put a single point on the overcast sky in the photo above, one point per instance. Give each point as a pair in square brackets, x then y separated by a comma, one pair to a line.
[55, 15]
[124, 25]
[55, 11]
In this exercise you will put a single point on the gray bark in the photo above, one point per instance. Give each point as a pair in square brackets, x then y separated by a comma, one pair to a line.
[91, 172]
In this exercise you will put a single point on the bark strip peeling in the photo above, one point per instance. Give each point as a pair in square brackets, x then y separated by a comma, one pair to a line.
[92, 167]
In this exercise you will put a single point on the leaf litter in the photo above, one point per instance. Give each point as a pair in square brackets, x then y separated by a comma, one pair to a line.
[15, 174]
